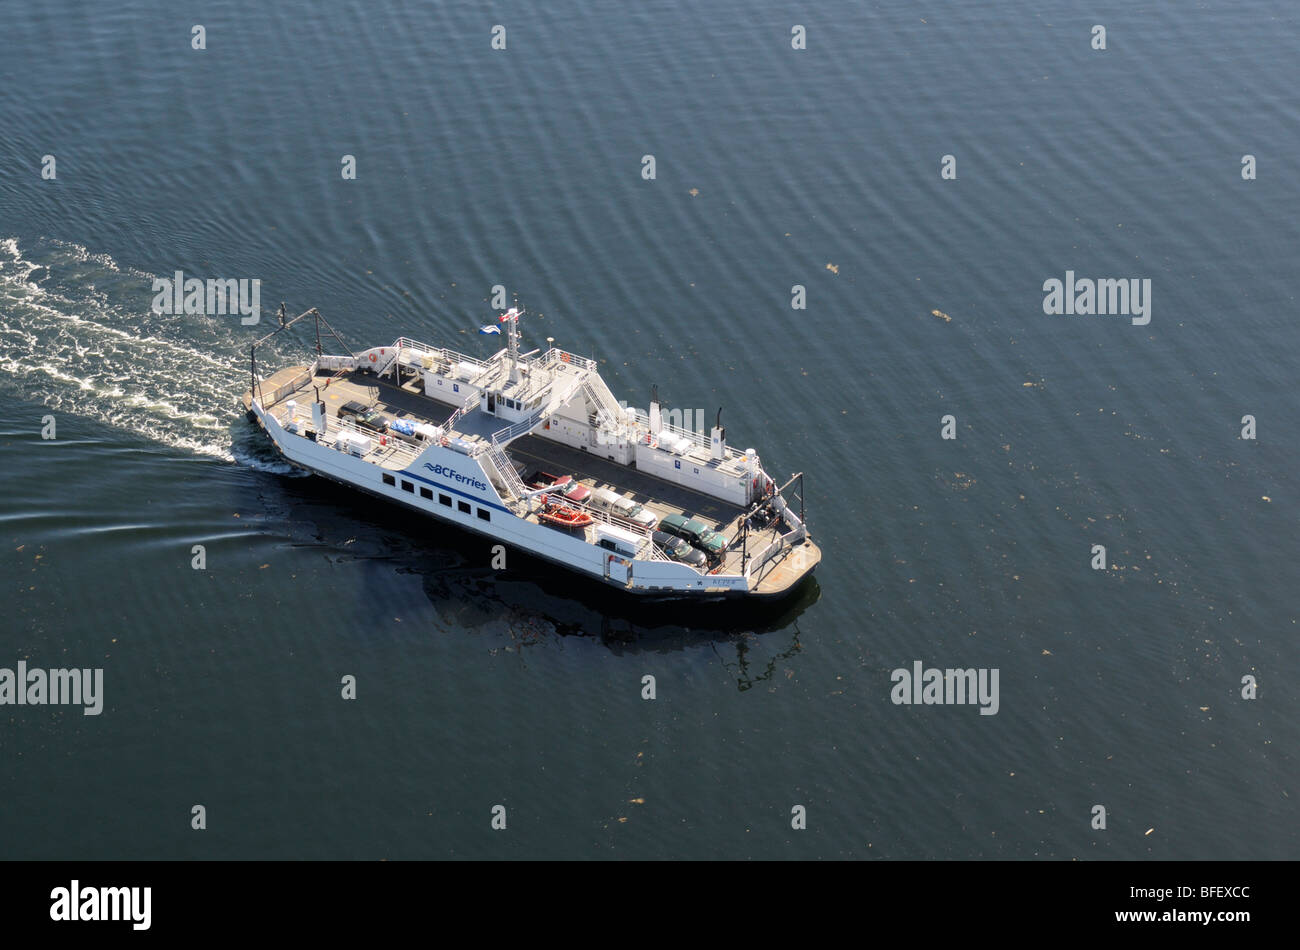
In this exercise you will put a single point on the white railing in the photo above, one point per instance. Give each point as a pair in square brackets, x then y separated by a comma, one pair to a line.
[594, 388]
[777, 546]
[658, 554]
[783, 509]
[442, 352]
[285, 389]
[471, 402]
[519, 428]
[763, 556]
[384, 447]
[388, 363]
[338, 362]
[698, 439]
[554, 356]
[599, 514]
[506, 474]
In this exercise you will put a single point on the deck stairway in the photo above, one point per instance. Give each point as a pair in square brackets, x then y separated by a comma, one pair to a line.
[608, 413]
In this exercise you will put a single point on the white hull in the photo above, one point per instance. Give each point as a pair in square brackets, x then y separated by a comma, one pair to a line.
[463, 417]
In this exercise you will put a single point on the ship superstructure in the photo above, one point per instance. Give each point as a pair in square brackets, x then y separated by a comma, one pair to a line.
[513, 446]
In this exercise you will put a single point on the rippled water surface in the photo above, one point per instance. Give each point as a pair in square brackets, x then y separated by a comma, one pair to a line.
[775, 167]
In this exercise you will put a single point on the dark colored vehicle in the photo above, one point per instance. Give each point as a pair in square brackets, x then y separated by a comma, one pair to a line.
[364, 416]
[566, 485]
[696, 533]
[680, 550]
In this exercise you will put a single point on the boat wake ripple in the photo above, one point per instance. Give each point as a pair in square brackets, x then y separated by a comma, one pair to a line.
[77, 335]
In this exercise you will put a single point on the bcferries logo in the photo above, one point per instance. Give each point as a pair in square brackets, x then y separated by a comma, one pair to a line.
[443, 471]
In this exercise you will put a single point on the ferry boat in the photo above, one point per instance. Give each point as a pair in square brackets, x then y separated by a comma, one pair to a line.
[451, 436]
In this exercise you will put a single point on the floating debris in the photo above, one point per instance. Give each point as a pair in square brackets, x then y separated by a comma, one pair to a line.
[1149, 830]
[942, 316]
[694, 192]
[833, 268]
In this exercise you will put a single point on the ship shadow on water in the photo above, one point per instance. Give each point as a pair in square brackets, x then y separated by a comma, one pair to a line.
[538, 599]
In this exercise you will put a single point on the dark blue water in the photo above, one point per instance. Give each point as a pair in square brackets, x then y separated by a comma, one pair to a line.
[522, 167]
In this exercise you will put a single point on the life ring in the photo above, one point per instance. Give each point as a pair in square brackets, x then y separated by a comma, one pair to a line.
[565, 357]
[383, 440]
[373, 358]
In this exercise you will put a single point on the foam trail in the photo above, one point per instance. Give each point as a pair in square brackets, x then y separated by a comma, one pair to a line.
[77, 335]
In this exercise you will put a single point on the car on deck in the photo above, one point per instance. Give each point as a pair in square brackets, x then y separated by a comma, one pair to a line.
[566, 485]
[680, 550]
[697, 533]
[367, 417]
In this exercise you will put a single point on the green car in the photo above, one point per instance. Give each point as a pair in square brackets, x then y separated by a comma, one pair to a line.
[697, 533]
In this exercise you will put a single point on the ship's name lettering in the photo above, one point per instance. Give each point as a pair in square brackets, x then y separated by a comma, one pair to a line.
[444, 472]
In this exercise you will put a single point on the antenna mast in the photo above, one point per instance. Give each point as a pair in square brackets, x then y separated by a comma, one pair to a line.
[512, 318]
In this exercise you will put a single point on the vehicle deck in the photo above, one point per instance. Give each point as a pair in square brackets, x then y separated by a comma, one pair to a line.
[408, 401]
